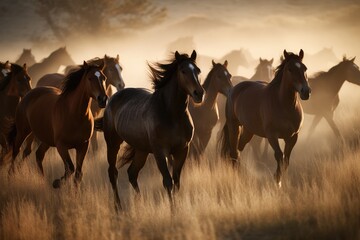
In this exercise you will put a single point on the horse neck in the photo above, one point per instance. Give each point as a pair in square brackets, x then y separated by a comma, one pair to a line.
[78, 100]
[335, 79]
[287, 93]
[175, 99]
[211, 91]
[258, 76]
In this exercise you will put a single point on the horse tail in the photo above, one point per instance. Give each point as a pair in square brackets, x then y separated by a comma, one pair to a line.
[99, 124]
[224, 143]
[127, 156]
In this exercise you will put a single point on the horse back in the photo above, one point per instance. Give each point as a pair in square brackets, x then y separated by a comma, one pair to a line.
[52, 79]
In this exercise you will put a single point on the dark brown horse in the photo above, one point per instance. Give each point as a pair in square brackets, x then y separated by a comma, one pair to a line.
[271, 110]
[206, 116]
[157, 122]
[13, 86]
[26, 57]
[50, 64]
[112, 71]
[326, 87]
[60, 119]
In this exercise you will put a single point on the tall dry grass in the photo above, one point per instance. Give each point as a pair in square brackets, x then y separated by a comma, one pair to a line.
[320, 198]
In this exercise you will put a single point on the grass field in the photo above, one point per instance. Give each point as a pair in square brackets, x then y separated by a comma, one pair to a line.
[320, 198]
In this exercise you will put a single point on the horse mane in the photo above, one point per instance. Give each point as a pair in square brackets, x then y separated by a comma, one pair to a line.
[95, 60]
[280, 69]
[15, 68]
[161, 73]
[321, 74]
[73, 79]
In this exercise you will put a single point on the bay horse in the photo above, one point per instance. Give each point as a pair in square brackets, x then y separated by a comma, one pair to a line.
[271, 110]
[26, 57]
[112, 71]
[325, 97]
[153, 122]
[206, 116]
[15, 84]
[60, 118]
[50, 64]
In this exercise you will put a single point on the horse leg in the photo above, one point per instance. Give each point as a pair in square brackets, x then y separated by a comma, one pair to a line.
[314, 123]
[40, 154]
[136, 165]
[330, 119]
[161, 164]
[289, 145]
[179, 160]
[245, 137]
[113, 146]
[94, 142]
[28, 143]
[19, 139]
[279, 156]
[80, 156]
[69, 166]
[256, 147]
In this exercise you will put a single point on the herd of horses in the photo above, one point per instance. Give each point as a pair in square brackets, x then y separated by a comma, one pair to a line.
[174, 121]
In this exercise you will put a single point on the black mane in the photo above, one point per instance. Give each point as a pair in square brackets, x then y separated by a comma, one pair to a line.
[161, 73]
[280, 69]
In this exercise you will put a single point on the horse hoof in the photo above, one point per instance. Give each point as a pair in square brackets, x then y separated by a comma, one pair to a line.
[56, 183]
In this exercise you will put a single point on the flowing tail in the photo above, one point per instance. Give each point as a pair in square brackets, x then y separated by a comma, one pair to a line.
[224, 143]
[99, 124]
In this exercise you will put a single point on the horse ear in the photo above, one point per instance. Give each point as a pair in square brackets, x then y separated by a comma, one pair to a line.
[260, 59]
[271, 61]
[353, 59]
[193, 55]
[24, 66]
[301, 54]
[102, 65]
[105, 56]
[226, 63]
[85, 65]
[286, 54]
[177, 55]
[117, 57]
[8, 64]
[213, 63]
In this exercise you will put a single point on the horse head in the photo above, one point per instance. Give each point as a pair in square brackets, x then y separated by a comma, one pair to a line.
[265, 69]
[113, 71]
[222, 77]
[350, 70]
[188, 76]
[96, 82]
[20, 81]
[295, 72]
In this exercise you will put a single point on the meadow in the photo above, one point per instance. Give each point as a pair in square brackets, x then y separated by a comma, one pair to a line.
[319, 199]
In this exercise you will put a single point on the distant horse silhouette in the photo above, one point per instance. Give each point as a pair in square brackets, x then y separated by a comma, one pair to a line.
[112, 71]
[50, 64]
[13, 86]
[26, 57]
[205, 116]
[157, 122]
[270, 110]
[61, 119]
[326, 87]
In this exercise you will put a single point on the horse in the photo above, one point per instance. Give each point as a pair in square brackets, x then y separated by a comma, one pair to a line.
[153, 122]
[50, 64]
[13, 87]
[205, 116]
[5, 69]
[326, 87]
[112, 71]
[271, 110]
[60, 118]
[26, 57]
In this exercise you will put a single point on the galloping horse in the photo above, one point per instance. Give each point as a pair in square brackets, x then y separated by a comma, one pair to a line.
[61, 119]
[112, 71]
[50, 64]
[157, 122]
[326, 87]
[271, 110]
[13, 86]
[26, 57]
[206, 116]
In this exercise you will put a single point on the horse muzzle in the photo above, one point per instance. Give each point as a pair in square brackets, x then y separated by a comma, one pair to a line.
[102, 101]
[198, 95]
[305, 93]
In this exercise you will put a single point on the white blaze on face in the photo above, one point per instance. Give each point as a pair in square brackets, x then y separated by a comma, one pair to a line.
[5, 72]
[98, 74]
[192, 68]
[298, 65]
[226, 74]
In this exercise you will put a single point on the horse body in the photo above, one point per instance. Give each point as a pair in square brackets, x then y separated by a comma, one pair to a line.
[157, 123]
[50, 64]
[326, 87]
[69, 122]
[206, 115]
[13, 87]
[268, 110]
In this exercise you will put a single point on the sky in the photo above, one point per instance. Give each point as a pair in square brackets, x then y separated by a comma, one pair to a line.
[263, 28]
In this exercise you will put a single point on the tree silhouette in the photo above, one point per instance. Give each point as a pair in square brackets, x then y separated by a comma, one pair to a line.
[68, 17]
